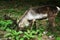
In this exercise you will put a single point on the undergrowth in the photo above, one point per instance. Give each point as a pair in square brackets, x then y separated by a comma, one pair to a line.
[16, 11]
[12, 34]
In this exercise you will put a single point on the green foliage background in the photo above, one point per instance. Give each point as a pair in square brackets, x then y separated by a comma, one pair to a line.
[15, 9]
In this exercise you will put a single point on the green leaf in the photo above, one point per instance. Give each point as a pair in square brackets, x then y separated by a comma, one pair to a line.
[17, 37]
[8, 30]
[8, 34]
[22, 39]
[28, 31]
[20, 32]
[58, 38]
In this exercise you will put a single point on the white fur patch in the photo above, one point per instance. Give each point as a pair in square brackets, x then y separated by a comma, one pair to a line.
[58, 8]
[30, 16]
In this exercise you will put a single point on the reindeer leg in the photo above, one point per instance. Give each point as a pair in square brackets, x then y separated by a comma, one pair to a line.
[35, 24]
[31, 23]
[30, 26]
[51, 19]
[52, 24]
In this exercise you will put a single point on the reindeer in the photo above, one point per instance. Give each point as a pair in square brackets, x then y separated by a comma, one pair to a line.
[40, 12]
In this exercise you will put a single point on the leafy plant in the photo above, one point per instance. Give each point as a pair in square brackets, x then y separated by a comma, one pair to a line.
[4, 24]
[57, 38]
[14, 35]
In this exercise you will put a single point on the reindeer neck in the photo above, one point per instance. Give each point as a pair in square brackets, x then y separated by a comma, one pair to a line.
[23, 16]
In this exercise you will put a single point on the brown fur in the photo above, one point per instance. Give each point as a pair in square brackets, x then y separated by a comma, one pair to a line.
[51, 11]
[44, 9]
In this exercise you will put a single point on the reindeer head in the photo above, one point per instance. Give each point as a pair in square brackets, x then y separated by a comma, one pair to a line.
[24, 22]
